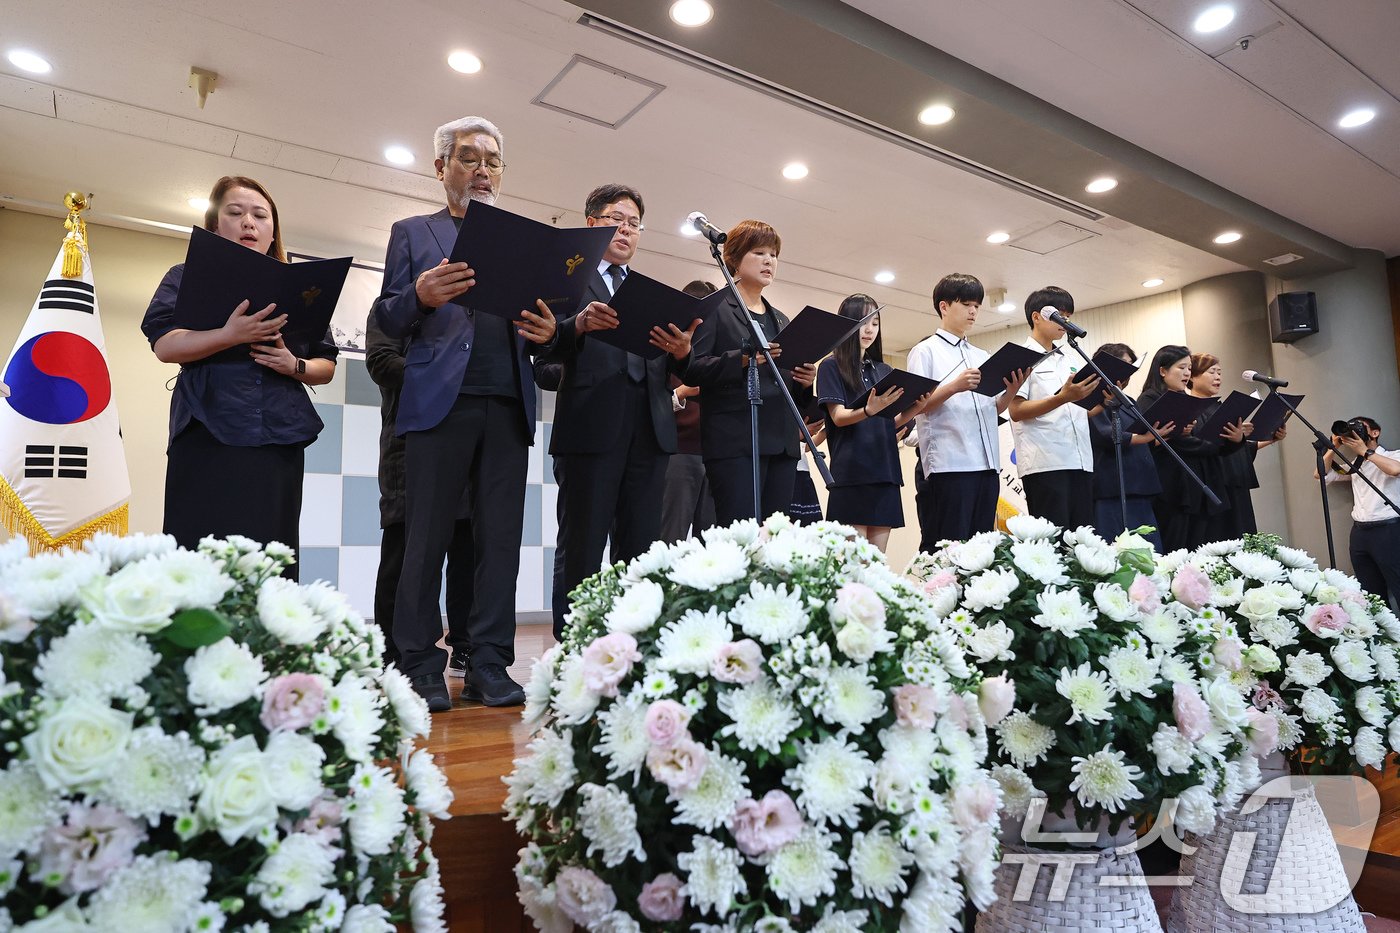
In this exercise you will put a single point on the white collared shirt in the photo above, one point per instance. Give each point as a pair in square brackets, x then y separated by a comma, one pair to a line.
[1366, 505]
[960, 436]
[607, 279]
[1058, 439]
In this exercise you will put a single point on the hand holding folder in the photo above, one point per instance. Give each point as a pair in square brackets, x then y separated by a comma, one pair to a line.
[1115, 368]
[914, 387]
[811, 335]
[1004, 364]
[644, 311]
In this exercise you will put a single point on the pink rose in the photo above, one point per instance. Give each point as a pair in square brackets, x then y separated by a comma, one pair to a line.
[739, 662]
[584, 897]
[292, 702]
[975, 803]
[1192, 714]
[763, 826]
[995, 698]
[916, 706]
[1191, 587]
[87, 847]
[666, 721]
[1266, 697]
[679, 765]
[1144, 595]
[1263, 732]
[858, 603]
[1229, 653]
[662, 899]
[939, 580]
[608, 661]
[1327, 620]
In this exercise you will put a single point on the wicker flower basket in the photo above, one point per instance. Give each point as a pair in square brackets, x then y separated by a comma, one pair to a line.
[1091, 899]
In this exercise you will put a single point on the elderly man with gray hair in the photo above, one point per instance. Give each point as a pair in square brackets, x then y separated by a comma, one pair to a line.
[467, 417]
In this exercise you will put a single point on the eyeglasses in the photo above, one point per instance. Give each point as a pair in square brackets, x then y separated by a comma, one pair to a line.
[494, 167]
[622, 220]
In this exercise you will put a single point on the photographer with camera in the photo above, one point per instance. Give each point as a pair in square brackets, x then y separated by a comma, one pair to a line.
[1375, 532]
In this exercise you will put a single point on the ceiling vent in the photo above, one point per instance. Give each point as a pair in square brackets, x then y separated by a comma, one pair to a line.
[598, 93]
[1047, 240]
[1283, 260]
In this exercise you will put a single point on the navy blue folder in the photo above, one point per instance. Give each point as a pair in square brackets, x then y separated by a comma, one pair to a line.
[811, 335]
[1001, 364]
[642, 303]
[914, 386]
[1176, 408]
[1114, 367]
[1272, 415]
[1235, 408]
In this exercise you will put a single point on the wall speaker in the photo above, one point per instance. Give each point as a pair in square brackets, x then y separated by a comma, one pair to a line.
[1292, 316]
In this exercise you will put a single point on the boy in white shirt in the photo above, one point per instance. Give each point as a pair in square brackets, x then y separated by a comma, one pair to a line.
[1053, 453]
[957, 427]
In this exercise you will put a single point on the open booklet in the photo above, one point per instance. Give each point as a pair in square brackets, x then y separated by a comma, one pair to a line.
[642, 303]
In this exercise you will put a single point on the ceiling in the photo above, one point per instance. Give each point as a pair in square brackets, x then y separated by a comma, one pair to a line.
[310, 94]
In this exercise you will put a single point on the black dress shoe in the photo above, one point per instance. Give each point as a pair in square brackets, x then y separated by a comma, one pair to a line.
[433, 688]
[492, 685]
[459, 665]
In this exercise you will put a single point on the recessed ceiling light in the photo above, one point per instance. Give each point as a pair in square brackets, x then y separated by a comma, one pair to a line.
[689, 229]
[199, 204]
[398, 155]
[1151, 283]
[691, 12]
[1215, 18]
[1229, 236]
[464, 61]
[1100, 185]
[32, 62]
[936, 115]
[884, 276]
[794, 170]
[1000, 236]
[1357, 118]
[1006, 307]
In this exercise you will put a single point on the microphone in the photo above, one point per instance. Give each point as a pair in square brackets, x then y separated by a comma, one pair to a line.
[1251, 376]
[1055, 317]
[708, 230]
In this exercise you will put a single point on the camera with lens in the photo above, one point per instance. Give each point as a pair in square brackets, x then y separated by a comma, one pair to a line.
[1355, 428]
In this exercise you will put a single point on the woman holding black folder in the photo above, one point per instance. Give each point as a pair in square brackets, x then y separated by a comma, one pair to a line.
[1140, 483]
[719, 359]
[240, 418]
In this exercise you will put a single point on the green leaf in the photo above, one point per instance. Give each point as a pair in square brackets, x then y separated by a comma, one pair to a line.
[195, 628]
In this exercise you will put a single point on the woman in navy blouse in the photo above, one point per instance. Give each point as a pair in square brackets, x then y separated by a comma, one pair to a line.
[240, 419]
[1140, 483]
[865, 465]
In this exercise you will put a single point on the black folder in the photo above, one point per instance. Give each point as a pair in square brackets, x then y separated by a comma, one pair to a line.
[914, 387]
[1001, 364]
[221, 273]
[1176, 408]
[518, 260]
[1235, 407]
[811, 335]
[1272, 415]
[642, 303]
[1114, 367]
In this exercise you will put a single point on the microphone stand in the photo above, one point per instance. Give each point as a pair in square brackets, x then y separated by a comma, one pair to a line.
[761, 345]
[1321, 444]
[1115, 420]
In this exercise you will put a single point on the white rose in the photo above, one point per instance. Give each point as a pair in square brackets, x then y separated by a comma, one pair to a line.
[136, 598]
[859, 604]
[996, 697]
[1225, 701]
[237, 798]
[78, 744]
[856, 641]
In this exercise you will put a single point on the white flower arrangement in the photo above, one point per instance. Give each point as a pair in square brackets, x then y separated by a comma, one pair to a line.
[764, 730]
[1316, 655]
[1112, 717]
[178, 758]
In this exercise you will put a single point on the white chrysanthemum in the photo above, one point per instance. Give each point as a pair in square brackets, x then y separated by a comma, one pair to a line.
[294, 875]
[830, 780]
[27, 808]
[1290, 729]
[975, 554]
[160, 775]
[1063, 611]
[762, 716]
[1017, 790]
[1353, 660]
[722, 787]
[935, 903]
[1099, 559]
[1318, 706]
[1259, 567]
[355, 707]
[574, 700]
[154, 892]
[804, 870]
[376, 810]
[223, 675]
[410, 709]
[624, 741]
[1040, 561]
[1175, 752]
[295, 759]
[92, 661]
[366, 918]
[1387, 665]
[1103, 779]
[1026, 527]
[990, 589]
[547, 769]
[120, 550]
[690, 643]
[1278, 632]
[878, 863]
[1089, 694]
[850, 698]
[1307, 669]
[771, 614]
[656, 558]
[284, 611]
[47, 582]
[636, 609]
[842, 921]
[1228, 593]
[428, 784]
[425, 903]
[1024, 740]
[713, 877]
[1195, 809]
[1113, 602]
[710, 567]
[990, 643]
[1161, 629]
[1131, 671]
[1294, 558]
[608, 820]
[1368, 747]
[1371, 706]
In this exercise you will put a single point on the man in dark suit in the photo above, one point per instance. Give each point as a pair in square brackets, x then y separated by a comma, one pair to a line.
[613, 426]
[467, 417]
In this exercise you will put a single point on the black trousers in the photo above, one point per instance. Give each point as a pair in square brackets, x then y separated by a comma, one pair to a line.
[923, 505]
[731, 483]
[1065, 497]
[615, 493]
[686, 505]
[962, 504]
[479, 448]
[1375, 558]
[460, 584]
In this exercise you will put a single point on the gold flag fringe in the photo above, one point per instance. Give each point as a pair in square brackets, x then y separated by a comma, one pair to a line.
[16, 518]
[75, 243]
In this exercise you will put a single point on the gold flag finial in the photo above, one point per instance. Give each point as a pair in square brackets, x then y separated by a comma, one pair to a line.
[75, 242]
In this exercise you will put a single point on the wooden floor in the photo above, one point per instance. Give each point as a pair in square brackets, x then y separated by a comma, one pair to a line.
[476, 745]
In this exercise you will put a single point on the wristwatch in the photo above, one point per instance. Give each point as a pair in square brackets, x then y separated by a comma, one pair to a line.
[301, 367]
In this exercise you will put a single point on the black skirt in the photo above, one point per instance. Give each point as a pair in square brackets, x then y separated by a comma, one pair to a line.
[806, 508]
[214, 489]
[876, 504]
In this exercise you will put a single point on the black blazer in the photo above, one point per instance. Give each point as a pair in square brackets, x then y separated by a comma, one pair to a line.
[594, 386]
[716, 366]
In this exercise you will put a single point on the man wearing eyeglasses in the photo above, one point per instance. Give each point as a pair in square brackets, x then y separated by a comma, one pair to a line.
[614, 427]
[467, 417]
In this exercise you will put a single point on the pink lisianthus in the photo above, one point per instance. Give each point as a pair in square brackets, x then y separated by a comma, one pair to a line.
[292, 702]
[608, 661]
[1327, 620]
[739, 662]
[322, 823]
[1263, 732]
[957, 711]
[916, 706]
[584, 897]
[1191, 587]
[1144, 595]
[939, 580]
[996, 697]
[87, 847]
[975, 803]
[679, 765]
[666, 722]
[1192, 714]
[662, 899]
[1229, 653]
[763, 826]
[1266, 697]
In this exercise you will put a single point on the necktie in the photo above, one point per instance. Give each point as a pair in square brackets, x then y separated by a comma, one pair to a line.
[636, 366]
